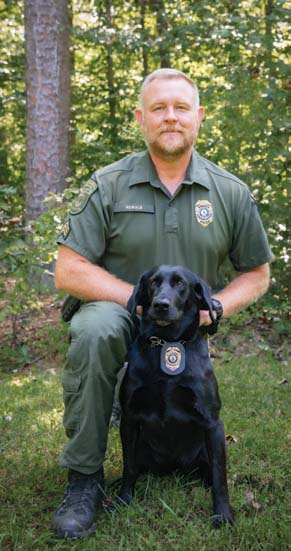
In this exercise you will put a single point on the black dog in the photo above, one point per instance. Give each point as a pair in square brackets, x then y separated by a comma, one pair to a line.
[169, 396]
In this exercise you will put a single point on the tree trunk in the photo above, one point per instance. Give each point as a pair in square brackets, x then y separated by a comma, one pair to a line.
[142, 4]
[109, 22]
[158, 7]
[269, 8]
[47, 31]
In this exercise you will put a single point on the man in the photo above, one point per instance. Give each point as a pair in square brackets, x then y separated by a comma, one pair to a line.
[166, 205]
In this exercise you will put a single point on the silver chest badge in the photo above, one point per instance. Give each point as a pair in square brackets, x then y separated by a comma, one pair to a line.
[204, 212]
[173, 358]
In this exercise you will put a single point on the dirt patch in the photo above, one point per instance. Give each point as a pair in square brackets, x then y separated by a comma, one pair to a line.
[40, 335]
[32, 336]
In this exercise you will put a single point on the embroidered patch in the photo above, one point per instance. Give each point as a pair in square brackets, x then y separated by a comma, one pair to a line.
[66, 229]
[204, 212]
[82, 199]
[173, 358]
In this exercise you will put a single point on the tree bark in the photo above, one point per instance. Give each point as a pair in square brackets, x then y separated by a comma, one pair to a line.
[142, 4]
[110, 74]
[47, 29]
[158, 7]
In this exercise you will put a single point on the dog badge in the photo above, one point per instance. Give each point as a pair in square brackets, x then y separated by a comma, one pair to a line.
[204, 212]
[173, 358]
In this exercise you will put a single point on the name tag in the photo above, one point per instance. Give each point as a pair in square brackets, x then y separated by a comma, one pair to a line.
[131, 207]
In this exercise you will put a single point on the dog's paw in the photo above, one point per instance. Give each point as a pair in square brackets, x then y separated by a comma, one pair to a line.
[225, 517]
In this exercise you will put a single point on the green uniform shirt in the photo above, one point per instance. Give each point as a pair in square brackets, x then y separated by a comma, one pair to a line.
[126, 221]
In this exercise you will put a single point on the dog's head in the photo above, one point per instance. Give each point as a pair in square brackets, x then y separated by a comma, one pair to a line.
[170, 296]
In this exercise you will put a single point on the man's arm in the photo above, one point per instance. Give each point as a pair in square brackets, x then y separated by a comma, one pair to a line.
[245, 289]
[79, 277]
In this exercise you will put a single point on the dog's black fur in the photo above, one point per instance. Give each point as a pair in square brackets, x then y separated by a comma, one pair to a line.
[171, 423]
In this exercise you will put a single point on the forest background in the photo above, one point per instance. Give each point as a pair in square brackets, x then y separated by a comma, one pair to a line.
[69, 79]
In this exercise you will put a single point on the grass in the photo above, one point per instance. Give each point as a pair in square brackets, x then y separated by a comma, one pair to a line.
[169, 514]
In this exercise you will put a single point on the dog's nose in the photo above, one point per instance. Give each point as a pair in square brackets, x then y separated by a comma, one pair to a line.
[161, 305]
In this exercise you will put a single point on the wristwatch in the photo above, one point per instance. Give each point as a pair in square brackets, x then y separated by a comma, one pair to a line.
[217, 306]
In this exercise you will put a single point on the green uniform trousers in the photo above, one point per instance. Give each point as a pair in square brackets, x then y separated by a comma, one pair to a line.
[100, 334]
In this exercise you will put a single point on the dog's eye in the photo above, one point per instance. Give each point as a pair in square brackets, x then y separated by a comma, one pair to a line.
[180, 283]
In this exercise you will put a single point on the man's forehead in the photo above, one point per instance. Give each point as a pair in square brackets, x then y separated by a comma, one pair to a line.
[174, 88]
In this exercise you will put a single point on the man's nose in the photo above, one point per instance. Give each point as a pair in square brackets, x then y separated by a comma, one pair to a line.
[170, 114]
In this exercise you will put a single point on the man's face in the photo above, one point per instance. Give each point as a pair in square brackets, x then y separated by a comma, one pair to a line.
[169, 118]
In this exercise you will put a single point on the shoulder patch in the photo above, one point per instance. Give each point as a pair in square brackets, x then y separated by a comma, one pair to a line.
[66, 229]
[82, 199]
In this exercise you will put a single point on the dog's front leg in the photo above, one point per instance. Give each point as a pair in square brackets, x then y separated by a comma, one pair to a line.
[217, 454]
[129, 435]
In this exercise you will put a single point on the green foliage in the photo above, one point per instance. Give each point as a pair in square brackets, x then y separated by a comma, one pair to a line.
[236, 51]
[28, 264]
[12, 109]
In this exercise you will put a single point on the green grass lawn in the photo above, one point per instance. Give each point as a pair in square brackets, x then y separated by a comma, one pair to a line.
[168, 514]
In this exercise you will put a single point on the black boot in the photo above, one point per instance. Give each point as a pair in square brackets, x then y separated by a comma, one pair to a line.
[76, 515]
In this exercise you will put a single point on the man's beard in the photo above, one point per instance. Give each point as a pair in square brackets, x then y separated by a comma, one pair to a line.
[168, 150]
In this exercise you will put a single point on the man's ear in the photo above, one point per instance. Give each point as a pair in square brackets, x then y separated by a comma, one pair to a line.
[138, 114]
[201, 113]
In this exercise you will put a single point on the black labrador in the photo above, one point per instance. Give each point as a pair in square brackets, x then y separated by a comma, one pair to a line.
[169, 395]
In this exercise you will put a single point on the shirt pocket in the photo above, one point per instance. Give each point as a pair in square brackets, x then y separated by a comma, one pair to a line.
[133, 229]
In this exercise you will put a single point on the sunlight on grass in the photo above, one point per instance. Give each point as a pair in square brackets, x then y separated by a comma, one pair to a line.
[168, 514]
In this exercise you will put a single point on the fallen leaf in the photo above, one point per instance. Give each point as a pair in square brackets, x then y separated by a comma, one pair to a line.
[252, 502]
[231, 439]
[52, 371]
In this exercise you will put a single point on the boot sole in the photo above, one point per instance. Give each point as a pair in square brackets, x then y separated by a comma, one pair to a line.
[66, 534]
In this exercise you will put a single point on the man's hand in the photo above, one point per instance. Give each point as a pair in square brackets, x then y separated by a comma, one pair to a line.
[205, 318]
[244, 290]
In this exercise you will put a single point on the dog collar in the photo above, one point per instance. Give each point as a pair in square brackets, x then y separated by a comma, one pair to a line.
[157, 341]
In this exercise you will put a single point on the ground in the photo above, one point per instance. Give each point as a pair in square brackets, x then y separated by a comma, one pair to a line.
[40, 337]
[250, 360]
[34, 337]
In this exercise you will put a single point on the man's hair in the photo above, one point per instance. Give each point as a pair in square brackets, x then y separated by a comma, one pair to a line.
[166, 74]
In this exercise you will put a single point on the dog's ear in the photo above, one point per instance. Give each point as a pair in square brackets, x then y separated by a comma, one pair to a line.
[139, 295]
[203, 297]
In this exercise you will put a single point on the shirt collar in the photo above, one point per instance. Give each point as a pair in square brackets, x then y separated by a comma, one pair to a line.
[145, 171]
